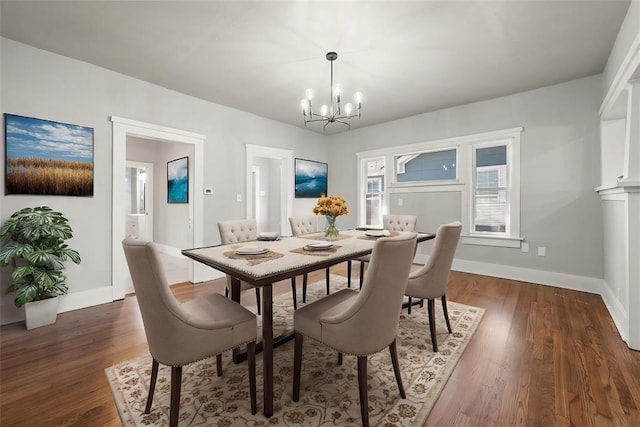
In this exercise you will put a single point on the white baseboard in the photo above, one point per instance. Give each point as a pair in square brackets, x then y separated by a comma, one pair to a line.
[560, 280]
[69, 302]
[618, 313]
[84, 299]
[592, 285]
[78, 300]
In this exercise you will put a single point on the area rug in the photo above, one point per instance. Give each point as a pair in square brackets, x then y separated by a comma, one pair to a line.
[329, 392]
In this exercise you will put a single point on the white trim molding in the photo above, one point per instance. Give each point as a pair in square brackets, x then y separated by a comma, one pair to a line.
[465, 147]
[122, 128]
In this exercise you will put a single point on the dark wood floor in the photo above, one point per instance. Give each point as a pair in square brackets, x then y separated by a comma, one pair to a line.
[542, 356]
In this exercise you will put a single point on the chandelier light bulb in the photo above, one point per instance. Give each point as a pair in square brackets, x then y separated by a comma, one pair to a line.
[357, 97]
[336, 92]
[323, 110]
[309, 94]
[304, 104]
[348, 108]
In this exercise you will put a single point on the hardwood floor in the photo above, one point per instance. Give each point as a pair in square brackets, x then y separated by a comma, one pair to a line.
[542, 356]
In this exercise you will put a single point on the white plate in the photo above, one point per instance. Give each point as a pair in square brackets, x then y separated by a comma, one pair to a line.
[269, 235]
[377, 233]
[320, 245]
[251, 250]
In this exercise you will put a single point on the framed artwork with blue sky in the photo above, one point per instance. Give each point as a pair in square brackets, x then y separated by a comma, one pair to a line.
[178, 180]
[44, 157]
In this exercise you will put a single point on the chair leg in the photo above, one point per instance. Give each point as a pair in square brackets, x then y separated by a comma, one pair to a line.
[409, 308]
[251, 364]
[219, 364]
[396, 368]
[293, 292]
[297, 365]
[362, 386]
[258, 300]
[152, 385]
[349, 274]
[174, 406]
[304, 288]
[328, 281]
[446, 312]
[432, 323]
[361, 273]
[339, 359]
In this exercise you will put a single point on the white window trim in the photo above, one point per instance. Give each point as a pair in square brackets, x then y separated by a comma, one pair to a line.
[464, 169]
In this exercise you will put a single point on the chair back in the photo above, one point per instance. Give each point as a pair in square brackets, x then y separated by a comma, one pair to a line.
[236, 231]
[399, 222]
[161, 313]
[370, 324]
[303, 224]
[434, 275]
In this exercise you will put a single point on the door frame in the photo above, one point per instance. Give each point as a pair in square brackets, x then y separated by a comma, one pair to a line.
[121, 129]
[286, 184]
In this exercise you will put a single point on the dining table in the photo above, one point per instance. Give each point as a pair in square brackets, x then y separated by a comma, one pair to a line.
[262, 263]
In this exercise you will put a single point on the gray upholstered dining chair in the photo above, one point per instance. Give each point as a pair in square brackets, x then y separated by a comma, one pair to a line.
[307, 225]
[243, 230]
[179, 334]
[430, 281]
[391, 223]
[361, 323]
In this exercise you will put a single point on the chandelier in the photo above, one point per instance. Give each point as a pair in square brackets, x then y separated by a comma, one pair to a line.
[333, 113]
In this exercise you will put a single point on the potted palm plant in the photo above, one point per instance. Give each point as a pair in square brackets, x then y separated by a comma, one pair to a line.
[33, 243]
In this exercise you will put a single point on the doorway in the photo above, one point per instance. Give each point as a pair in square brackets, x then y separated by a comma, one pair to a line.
[269, 187]
[123, 128]
[139, 200]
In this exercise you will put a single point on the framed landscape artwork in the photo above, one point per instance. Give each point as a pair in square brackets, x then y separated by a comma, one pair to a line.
[311, 178]
[178, 180]
[46, 157]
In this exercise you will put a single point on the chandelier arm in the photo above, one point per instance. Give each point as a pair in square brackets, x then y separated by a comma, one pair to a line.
[344, 123]
[317, 120]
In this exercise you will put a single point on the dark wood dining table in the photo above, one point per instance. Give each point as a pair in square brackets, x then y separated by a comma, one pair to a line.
[285, 258]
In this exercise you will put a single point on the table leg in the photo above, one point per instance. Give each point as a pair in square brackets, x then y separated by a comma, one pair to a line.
[267, 349]
[235, 289]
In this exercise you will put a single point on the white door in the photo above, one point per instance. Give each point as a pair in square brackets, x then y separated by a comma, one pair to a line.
[139, 200]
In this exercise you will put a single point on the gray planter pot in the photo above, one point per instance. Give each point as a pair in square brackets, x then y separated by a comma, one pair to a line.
[41, 313]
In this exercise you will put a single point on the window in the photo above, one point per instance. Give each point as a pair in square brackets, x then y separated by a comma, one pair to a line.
[483, 169]
[424, 167]
[374, 197]
[490, 190]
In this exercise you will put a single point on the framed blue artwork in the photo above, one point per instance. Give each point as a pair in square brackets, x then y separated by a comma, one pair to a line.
[178, 180]
[46, 157]
[311, 178]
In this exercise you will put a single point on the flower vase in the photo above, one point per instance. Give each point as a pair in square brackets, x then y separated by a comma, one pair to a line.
[331, 232]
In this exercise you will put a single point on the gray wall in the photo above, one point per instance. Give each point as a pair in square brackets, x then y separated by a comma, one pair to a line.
[560, 167]
[41, 84]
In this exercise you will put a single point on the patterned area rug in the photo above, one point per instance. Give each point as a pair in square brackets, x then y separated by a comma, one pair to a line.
[329, 392]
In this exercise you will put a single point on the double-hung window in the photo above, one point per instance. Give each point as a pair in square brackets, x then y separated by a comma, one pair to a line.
[490, 190]
[482, 169]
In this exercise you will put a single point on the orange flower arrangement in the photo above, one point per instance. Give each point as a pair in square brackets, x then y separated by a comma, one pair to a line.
[331, 205]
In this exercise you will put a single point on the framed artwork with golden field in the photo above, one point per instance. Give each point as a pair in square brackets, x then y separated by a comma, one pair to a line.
[46, 157]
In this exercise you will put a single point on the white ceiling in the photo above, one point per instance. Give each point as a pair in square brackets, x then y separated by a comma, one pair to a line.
[406, 57]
